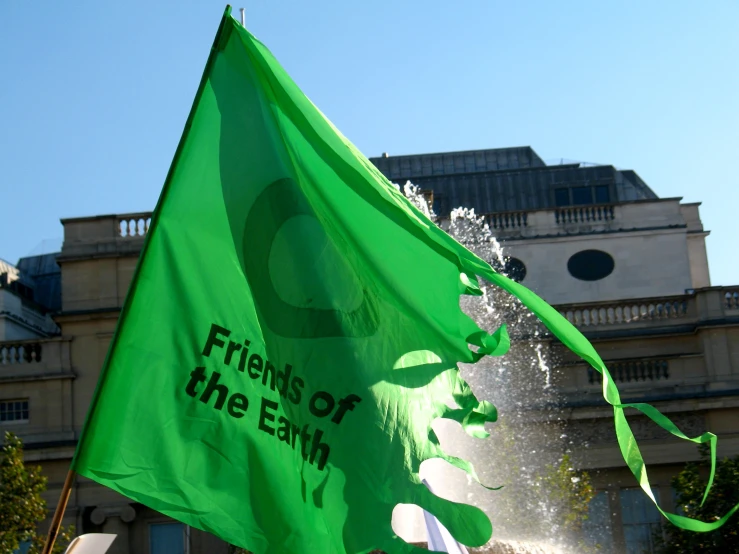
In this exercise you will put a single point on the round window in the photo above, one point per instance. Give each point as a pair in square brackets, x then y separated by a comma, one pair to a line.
[513, 268]
[590, 265]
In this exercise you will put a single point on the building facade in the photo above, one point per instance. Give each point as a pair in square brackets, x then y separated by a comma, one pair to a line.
[628, 268]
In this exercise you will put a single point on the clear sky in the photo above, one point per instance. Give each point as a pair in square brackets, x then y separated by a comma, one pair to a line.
[94, 95]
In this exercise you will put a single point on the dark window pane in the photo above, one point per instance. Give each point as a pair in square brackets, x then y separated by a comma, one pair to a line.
[167, 538]
[13, 410]
[582, 195]
[562, 197]
[590, 265]
[602, 196]
[640, 519]
[597, 528]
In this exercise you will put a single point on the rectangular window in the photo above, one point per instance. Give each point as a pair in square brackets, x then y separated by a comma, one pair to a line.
[14, 410]
[597, 528]
[562, 197]
[640, 519]
[167, 538]
[602, 196]
[678, 508]
[582, 196]
[436, 206]
[440, 204]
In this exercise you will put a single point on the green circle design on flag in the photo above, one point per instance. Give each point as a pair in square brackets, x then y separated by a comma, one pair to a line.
[278, 204]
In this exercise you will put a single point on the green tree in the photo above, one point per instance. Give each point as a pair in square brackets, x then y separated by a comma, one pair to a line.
[570, 492]
[689, 485]
[21, 505]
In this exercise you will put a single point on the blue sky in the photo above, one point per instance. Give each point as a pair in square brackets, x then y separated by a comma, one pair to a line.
[94, 96]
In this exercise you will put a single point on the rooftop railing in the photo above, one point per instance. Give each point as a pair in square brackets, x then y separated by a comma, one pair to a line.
[628, 312]
[706, 304]
[731, 298]
[507, 220]
[134, 225]
[584, 214]
[505, 225]
[596, 218]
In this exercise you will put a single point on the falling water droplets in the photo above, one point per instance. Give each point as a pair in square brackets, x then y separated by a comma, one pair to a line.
[528, 435]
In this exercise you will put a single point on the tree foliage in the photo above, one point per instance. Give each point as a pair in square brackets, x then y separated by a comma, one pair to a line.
[690, 484]
[570, 492]
[21, 506]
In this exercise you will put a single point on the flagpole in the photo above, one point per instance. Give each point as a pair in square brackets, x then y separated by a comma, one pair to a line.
[56, 521]
[243, 19]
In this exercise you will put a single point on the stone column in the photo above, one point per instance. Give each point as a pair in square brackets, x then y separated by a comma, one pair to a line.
[115, 519]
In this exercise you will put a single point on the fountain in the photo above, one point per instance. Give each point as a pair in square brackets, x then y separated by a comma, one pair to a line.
[540, 507]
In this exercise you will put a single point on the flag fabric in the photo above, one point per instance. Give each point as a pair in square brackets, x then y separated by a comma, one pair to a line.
[292, 330]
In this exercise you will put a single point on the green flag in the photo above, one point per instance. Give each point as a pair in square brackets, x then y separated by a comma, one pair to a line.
[292, 330]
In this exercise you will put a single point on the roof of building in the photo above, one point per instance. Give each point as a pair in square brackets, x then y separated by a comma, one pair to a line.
[511, 179]
[9, 271]
[35, 278]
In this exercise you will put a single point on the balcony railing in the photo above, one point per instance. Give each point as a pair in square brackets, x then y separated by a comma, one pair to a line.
[628, 312]
[20, 360]
[627, 371]
[20, 352]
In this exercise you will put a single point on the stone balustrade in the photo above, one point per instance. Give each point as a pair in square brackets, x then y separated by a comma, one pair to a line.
[134, 225]
[599, 218]
[31, 358]
[731, 298]
[506, 225]
[122, 234]
[706, 304]
[104, 236]
[628, 371]
[584, 214]
[627, 312]
[635, 375]
[20, 352]
[507, 220]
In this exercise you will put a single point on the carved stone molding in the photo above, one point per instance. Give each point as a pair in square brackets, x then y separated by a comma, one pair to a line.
[123, 511]
[601, 431]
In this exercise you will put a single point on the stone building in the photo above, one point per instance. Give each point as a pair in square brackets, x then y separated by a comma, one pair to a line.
[29, 293]
[628, 268]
